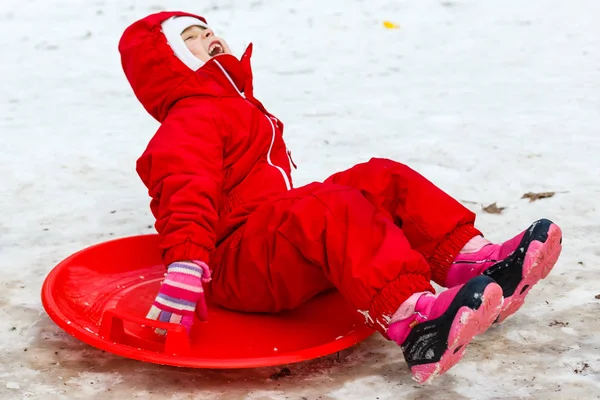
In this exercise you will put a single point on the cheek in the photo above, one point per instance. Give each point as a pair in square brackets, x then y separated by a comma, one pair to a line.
[198, 51]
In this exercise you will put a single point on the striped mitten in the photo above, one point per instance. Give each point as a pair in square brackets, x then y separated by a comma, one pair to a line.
[181, 294]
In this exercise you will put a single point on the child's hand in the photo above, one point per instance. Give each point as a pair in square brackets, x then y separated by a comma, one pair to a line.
[181, 294]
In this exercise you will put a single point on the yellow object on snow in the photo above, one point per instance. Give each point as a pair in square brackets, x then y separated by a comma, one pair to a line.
[390, 25]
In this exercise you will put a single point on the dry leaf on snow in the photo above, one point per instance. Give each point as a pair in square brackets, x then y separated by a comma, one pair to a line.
[493, 209]
[536, 196]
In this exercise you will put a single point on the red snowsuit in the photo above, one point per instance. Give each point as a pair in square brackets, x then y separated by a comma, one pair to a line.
[218, 174]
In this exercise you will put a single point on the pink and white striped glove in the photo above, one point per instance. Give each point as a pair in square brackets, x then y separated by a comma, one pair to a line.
[181, 294]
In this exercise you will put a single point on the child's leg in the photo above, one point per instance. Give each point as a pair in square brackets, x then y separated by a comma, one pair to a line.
[312, 239]
[441, 229]
[435, 224]
[323, 236]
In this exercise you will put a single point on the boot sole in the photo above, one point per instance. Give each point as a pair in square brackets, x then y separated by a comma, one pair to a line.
[534, 259]
[465, 324]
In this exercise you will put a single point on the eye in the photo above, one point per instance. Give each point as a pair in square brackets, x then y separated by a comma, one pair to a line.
[188, 38]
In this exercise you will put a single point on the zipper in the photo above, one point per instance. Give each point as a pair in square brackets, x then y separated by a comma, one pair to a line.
[285, 177]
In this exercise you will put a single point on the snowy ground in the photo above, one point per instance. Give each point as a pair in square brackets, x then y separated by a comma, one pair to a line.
[489, 99]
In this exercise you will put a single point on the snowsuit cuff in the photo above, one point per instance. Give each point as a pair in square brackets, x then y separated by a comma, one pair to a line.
[444, 255]
[186, 251]
[387, 301]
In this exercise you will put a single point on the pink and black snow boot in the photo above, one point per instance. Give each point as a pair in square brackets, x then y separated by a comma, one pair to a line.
[434, 330]
[516, 265]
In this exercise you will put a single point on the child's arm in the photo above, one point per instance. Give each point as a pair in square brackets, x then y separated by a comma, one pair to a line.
[183, 171]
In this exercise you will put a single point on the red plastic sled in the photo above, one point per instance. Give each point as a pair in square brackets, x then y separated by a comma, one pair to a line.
[101, 294]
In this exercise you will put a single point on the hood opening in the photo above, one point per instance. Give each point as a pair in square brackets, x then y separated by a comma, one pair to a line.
[172, 29]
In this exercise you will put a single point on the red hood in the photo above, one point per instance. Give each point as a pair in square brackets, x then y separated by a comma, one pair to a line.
[159, 79]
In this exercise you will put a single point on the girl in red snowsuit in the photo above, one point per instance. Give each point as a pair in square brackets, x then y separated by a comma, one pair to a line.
[219, 176]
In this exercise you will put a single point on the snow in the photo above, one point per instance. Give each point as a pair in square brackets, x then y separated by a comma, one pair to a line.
[490, 100]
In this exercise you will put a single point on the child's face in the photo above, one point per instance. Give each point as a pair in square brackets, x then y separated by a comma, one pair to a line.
[203, 43]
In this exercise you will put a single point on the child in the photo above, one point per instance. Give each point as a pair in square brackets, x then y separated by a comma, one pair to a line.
[218, 173]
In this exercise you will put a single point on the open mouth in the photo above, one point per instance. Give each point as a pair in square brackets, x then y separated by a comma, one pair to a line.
[215, 48]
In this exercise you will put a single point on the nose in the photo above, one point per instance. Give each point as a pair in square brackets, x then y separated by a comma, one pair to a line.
[207, 33]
